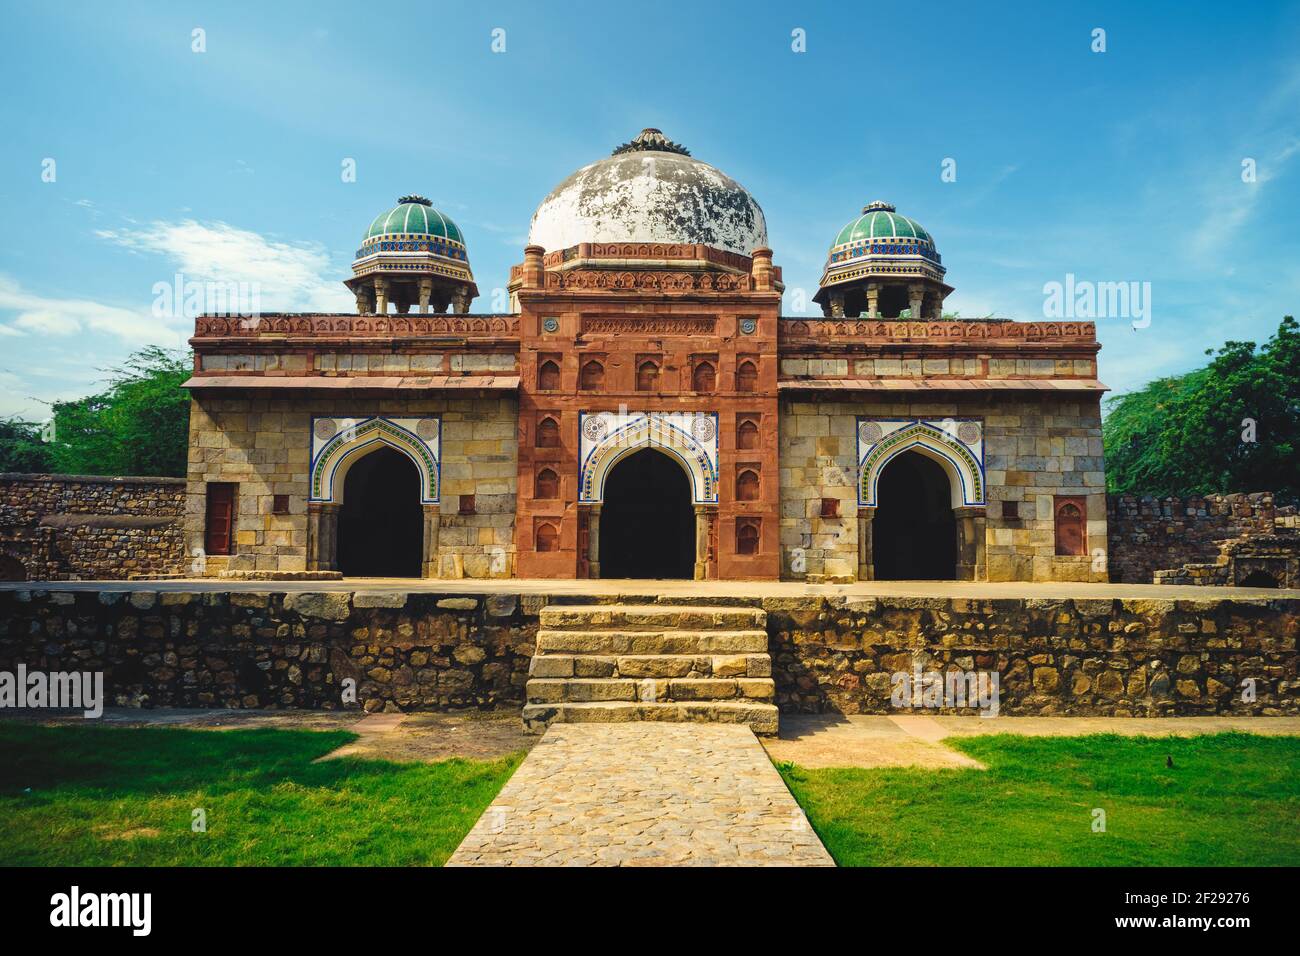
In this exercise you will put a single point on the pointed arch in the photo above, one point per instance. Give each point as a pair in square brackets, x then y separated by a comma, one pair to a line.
[965, 472]
[351, 444]
[662, 434]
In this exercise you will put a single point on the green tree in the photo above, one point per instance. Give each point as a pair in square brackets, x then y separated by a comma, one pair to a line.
[22, 448]
[1233, 425]
[139, 425]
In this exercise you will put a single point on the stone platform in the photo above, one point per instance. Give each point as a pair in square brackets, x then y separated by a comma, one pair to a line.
[644, 794]
[399, 645]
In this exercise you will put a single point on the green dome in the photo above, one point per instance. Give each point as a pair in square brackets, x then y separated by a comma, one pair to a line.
[414, 216]
[880, 221]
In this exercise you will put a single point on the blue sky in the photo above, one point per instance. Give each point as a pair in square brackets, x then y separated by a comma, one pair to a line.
[1117, 166]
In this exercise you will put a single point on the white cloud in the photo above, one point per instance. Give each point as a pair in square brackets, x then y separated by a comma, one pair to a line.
[289, 276]
[44, 315]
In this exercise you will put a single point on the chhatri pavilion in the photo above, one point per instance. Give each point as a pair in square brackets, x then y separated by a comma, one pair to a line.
[644, 410]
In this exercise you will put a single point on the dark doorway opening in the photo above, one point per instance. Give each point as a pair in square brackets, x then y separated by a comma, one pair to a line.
[914, 533]
[11, 569]
[647, 523]
[1258, 579]
[381, 523]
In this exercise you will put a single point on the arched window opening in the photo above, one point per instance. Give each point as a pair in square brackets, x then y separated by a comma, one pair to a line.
[593, 376]
[747, 485]
[548, 537]
[746, 377]
[548, 433]
[705, 377]
[548, 376]
[548, 484]
[747, 537]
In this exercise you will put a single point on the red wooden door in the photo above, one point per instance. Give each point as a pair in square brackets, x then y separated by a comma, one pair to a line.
[220, 525]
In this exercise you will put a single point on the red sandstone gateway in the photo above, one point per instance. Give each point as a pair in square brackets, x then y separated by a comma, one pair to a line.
[644, 410]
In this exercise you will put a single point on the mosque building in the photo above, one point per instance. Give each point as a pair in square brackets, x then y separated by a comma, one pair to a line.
[644, 410]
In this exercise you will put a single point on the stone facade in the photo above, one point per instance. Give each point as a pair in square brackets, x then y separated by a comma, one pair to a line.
[262, 443]
[83, 527]
[1035, 448]
[430, 651]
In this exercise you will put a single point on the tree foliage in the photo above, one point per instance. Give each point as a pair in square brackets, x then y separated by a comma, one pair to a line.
[139, 424]
[22, 448]
[1233, 425]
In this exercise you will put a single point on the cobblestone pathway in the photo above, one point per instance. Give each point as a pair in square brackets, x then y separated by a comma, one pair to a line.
[644, 794]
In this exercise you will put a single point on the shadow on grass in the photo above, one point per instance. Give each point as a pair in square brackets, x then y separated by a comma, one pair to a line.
[83, 795]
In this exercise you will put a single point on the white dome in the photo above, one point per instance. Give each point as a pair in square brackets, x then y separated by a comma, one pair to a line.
[650, 190]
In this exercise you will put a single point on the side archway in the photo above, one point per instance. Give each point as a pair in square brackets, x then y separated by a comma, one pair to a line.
[965, 472]
[333, 459]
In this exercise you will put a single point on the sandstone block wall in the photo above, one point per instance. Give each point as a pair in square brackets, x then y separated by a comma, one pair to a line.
[264, 444]
[85, 527]
[1150, 534]
[1035, 448]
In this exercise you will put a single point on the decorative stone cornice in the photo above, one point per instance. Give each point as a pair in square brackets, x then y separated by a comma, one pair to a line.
[647, 325]
[960, 330]
[216, 326]
[605, 280]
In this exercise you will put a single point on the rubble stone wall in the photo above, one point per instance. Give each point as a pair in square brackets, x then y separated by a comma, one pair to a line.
[1155, 534]
[430, 651]
[85, 527]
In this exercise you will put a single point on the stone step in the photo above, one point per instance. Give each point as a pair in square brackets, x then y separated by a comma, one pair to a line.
[760, 717]
[650, 642]
[650, 616]
[555, 690]
[651, 665]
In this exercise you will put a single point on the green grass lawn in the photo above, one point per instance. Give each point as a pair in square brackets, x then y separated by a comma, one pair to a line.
[101, 796]
[1229, 800]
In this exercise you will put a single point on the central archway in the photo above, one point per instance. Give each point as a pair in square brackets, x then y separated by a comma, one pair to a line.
[914, 533]
[381, 523]
[647, 522]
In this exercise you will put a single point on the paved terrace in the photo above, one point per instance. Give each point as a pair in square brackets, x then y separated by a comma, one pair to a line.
[684, 589]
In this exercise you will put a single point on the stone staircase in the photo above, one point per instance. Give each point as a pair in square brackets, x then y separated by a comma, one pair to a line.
[614, 663]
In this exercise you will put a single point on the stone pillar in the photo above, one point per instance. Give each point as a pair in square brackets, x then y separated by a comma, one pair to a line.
[970, 543]
[593, 541]
[426, 291]
[873, 300]
[429, 552]
[762, 269]
[915, 297]
[703, 513]
[381, 296]
[937, 308]
[837, 304]
[866, 561]
[534, 271]
[460, 301]
[322, 536]
[365, 299]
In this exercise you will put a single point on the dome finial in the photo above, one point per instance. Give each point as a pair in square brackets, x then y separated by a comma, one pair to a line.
[879, 205]
[652, 140]
[418, 200]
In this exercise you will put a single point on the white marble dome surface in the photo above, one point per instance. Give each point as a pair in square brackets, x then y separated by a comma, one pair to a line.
[650, 190]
